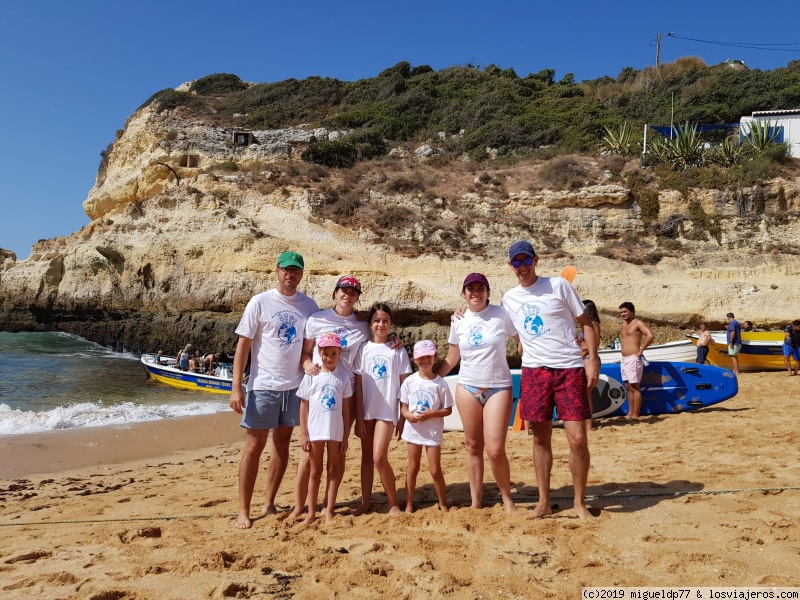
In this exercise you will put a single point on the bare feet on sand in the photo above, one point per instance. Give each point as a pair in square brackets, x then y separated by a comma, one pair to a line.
[583, 512]
[540, 510]
[394, 511]
[329, 516]
[363, 509]
[444, 507]
[243, 522]
[509, 506]
[296, 513]
[409, 508]
[269, 509]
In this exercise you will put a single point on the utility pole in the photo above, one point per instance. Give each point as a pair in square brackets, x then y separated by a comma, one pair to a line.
[658, 45]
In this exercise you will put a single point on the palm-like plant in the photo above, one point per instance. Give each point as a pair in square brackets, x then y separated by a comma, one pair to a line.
[620, 142]
[687, 147]
[729, 153]
[760, 136]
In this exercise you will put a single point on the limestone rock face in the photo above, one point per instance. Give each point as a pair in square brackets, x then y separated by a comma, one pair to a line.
[176, 248]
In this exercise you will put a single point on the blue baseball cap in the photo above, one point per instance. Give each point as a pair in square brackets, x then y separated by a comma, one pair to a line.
[521, 247]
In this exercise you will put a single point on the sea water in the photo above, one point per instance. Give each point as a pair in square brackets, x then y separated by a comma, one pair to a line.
[52, 381]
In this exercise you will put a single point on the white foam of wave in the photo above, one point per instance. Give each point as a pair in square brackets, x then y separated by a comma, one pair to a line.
[88, 414]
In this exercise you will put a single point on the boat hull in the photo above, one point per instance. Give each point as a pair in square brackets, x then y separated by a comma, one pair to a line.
[680, 351]
[755, 355]
[185, 380]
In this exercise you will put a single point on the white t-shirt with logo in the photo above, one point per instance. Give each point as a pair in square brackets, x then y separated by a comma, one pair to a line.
[544, 315]
[276, 323]
[380, 368]
[352, 332]
[325, 394]
[421, 395]
[481, 340]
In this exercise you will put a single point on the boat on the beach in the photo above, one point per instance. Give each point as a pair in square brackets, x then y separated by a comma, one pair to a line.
[761, 350]
[680, 351]
[170, 374]
[667, 388]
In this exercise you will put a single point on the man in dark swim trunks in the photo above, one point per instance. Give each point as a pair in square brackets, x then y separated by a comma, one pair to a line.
[554, 373]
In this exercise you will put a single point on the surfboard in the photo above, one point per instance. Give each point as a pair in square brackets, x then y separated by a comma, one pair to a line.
[673, 387]
[607, 397]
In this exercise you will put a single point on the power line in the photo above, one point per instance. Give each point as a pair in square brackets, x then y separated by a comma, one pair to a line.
[747, 45]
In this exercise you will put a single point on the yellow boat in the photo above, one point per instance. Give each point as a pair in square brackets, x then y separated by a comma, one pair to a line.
[761, 350]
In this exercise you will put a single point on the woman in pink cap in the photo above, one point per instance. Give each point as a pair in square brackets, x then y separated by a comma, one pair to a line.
[483, 395]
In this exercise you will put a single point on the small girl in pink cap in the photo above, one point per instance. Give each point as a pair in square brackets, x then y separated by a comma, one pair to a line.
[425, 400]
[323, 412]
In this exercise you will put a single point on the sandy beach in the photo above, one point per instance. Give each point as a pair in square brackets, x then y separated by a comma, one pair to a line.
[708, 498]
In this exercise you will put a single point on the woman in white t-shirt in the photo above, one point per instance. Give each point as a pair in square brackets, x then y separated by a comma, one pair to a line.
[341, 320]
[483, 394]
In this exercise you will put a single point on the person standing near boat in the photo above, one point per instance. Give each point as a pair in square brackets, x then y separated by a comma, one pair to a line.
[554, 374]
[483, 394]
[271, 335]
[636, 336]
[734, 335]
[791, 347]
[703, 340]
[594, 317]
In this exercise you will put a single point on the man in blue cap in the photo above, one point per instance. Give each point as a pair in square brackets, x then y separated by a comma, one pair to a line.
[554, 374]
[271, 334]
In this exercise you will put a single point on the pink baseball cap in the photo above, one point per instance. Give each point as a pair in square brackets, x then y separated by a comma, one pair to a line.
[329, 340]
[424, 348]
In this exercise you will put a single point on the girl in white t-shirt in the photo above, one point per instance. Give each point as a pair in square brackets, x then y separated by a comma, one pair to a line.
[483, 395]
[380, 371]
[425, 401]
[323, 414]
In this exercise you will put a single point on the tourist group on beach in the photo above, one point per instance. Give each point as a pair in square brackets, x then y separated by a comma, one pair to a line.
[326, 371]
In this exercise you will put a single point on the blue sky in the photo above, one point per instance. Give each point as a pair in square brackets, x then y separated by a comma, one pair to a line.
[72, 72]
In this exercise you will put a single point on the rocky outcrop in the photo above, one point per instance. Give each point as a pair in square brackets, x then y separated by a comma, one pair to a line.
[177, 246]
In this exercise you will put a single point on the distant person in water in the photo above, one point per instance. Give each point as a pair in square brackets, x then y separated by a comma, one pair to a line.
[703, 341]
[734, 335]
[271, 336]
[635, 337]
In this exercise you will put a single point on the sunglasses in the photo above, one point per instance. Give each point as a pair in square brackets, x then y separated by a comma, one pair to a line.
[525, 261]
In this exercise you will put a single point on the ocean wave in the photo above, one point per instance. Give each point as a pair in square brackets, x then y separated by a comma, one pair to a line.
[88, 414]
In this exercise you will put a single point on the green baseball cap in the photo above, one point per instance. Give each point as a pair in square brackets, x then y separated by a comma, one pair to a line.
[291, 259]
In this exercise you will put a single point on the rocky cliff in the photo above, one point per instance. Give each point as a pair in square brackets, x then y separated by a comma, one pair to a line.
[188, 218]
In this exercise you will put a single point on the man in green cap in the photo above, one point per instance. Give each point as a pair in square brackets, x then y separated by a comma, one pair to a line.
[271, 334]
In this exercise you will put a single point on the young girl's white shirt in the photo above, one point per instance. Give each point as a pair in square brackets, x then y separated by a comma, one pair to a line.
[352, 332]
[380, 368]
[276, 323]
[421, 395]
[544, 314]
[481, 340]
[325, 394]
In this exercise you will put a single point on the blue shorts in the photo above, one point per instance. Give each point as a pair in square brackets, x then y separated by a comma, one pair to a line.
[793, 352]
[267, 409]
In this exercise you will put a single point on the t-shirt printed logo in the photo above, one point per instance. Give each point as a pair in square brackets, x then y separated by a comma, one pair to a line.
[377, 367]
[421, 401]
[328, 401]
[342, 332]
[475, 335]
[287, 332]
[533, 324]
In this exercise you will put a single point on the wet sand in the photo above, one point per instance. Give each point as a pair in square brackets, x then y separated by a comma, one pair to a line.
[707, 498]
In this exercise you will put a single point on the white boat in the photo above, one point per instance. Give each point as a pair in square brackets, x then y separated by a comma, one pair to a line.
[680, 351]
